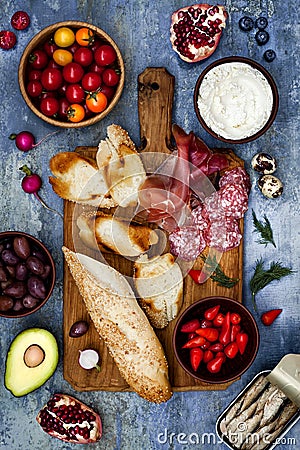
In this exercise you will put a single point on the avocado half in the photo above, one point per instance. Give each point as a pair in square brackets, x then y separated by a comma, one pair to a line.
[21, 378]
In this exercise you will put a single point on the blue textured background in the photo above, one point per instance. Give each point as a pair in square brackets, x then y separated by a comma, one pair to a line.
[141, 29]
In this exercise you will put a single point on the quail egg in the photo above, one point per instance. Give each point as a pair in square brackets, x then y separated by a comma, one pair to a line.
[270, 186]
[264, 163]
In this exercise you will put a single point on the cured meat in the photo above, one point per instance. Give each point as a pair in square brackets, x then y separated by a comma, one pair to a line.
[199, 219]
[212, 209]
[238, 175]
[233, 200]
[223, 234]
[187, 242]
[216, 162]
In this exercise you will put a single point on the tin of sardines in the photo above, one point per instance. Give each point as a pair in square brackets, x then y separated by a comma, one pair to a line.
[265, 410]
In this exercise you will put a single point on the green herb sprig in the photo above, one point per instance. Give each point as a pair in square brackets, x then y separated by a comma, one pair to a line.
[218, 275]
[265, 230]
[262, 277]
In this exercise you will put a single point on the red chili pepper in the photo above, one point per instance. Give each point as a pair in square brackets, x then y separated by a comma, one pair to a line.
[211, 313]
[198, 276]
[190, 326]
[235, 318]
[196, 356]
[268, 317]
[206, 345]
[218, 320]
[214, 366]
[205, 323]
[211, 334]
[194, 342]
[192, 335]
[242, 340]
[231, 350]
[224, 337]
[208, 356]
[235, 329]
[217, 347]
[221, 355]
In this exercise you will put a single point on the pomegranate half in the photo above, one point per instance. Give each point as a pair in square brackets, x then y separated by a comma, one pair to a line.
[70, 420]
[196, 31]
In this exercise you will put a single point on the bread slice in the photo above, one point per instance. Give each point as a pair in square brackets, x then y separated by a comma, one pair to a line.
[119, 235]
[159, 284]
[122, 325]
[77, 178]
[121, 164]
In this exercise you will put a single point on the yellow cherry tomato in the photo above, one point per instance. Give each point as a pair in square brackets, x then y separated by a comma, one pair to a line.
[64, 37]
[75, 112]
[85, 36]
[62, 57]
[96, 102]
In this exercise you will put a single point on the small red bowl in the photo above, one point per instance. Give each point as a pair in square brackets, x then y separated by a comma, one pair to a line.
[6, 239]
[267, 76]
[231, 368]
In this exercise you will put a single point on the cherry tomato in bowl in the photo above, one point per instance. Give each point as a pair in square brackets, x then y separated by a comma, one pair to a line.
[64, 37]
[62, 57]
[91, 81]
[85, 36]
[75, 113]
[96, 101]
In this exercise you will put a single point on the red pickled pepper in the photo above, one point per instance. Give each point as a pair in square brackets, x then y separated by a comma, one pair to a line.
[196, 356]
[231, 350]
[218, 320]
[211, 313]
[235, 329]
[190, 326]
[194, 342]
[214, 366]
[268, 317]
[211, 334]
[242, 341]
[224, 337]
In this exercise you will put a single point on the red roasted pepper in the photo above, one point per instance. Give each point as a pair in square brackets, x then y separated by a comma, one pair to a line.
[190, 326]
[268, 317]
[211, 313]
[242, 340]
[214, 366]
[194, 342]
[211, 334]
[235, 329]
[224, 337]
[196, 356]
[231, 350]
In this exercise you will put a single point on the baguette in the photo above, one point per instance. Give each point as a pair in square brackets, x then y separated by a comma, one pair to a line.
[122, 325]
[77, 178]
[99, 230]
[159, 284]
[121, 164]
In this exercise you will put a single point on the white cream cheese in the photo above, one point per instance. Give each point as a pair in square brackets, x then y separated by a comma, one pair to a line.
[235, 100]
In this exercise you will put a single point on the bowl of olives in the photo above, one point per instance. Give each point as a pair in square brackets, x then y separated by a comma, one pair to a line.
[27, 274]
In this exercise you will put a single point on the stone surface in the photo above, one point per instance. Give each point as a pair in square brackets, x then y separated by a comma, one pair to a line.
[141, 29]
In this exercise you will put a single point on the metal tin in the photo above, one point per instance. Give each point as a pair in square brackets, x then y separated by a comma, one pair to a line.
[275, 441]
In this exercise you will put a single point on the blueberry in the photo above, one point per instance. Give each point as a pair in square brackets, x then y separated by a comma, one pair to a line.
[262, 37]
[269, 55]
[261, 23]
[246, 23]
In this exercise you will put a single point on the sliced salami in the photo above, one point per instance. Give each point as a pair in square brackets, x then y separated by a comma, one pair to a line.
[238, 175]
[224, 234]
[199, 219]
[212, 209]
[187, 242]
[234, 200]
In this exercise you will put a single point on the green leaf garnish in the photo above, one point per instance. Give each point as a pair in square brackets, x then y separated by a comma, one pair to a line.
[265, 230]
[218, 275]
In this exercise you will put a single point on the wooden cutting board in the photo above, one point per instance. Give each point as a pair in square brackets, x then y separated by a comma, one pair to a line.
[156, 90]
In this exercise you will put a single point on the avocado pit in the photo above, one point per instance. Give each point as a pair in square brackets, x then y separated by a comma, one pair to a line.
[34, 356]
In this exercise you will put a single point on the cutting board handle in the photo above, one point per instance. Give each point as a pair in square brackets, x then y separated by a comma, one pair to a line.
[155, 102]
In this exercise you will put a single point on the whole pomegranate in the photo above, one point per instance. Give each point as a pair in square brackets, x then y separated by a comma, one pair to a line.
[196, 31]
[70, 420]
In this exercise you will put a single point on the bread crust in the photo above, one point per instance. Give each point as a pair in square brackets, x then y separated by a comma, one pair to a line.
[123, 326]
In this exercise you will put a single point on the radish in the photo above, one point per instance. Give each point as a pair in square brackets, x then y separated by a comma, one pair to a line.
[31, 184]
[88, 359]
[25, 140]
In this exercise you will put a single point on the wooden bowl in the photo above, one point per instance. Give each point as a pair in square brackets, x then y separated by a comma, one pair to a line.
[231, 368]
[6, 240]
[264, 73]
[37, 41]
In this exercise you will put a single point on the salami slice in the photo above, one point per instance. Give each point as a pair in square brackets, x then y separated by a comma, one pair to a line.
[238, 175]
[224, 234]
[199, 219]
[212, 209]
[187, 242]
[233, 200]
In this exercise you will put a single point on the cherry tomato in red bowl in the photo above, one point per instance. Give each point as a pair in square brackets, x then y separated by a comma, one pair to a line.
[38, 56]
[227, 352]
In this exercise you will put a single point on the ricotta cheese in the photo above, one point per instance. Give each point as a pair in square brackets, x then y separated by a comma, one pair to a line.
[235, 100]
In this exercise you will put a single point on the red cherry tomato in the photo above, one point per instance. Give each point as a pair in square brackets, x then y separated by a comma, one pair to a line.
[73, 72]
[75, 93]
[53, 65]
[50, 47]
[95, 68]
[8, 39]
[38, 59]
[105, 55]
[49, 106]
[63, 108]
[34, 88]
[34, 74]
[20, 20]
[75, 46]
[110, 77]
[91, 81]
[95, 44]
[51, 79]
[83, 56]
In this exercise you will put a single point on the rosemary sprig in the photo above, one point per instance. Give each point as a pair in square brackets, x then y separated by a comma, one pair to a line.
[218, 275]
[265, 230]
[261, 277]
